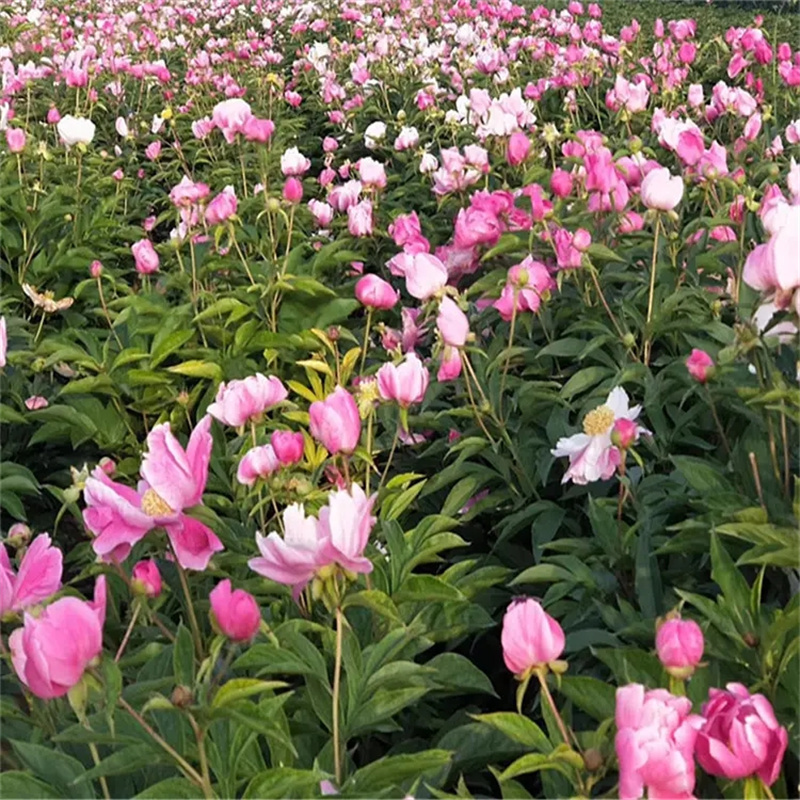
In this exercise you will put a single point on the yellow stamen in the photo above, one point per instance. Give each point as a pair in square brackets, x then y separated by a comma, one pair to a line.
[154, 505]
[598, 421]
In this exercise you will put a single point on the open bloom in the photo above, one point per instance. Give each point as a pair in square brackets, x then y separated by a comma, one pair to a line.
[235, 611]
[222, 207]
[740, 736]
[531, 638]
[293, 558]
[240, 401]
[38, 577]
[527, 283]
[173, 480]
[231, 116]
[51, 652]
[592, 456]
[344, 527]
[405, 383]
[655, 744]
[334, 422]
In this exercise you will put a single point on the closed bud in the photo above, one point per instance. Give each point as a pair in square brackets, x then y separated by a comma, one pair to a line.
[593, 759]
[181, 697]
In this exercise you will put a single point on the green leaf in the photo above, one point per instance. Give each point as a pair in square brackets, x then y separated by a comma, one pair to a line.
[701, 475]
[584, 379]
[198, 369]
[599, 252]
[596, 698]
[183, 657]
[23, 786]
[457, 673]
[55, 768]
[285, 782]
[171, 789]
[376, 601]
[395, 771]
[129, 759]
[544, 573]
[426, 588]
[535, 762]
[239, 688]
[519, 728]
[730, 580]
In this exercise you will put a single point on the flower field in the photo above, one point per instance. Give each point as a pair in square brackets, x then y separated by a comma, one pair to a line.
[399, 399]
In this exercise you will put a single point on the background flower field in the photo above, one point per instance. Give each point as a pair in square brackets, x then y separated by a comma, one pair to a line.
[399, 398]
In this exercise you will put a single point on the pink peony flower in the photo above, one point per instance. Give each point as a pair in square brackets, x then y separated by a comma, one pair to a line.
[293, 558]
[240, 401]
[222, 207]
[174, 480]
[679, 643]
[16, 139]
[293, 162]
[425, 275]
[518, 148]
[147, 578]
[334, 422]
[404, 384]
[258, 462]
[38, 577]
[655, 742]
[359, 219]
[235, 612]
[531, 638]
[288, 446]
[36, 402]
[740, 736]
[293, 191]
[452, 323]
[374, 292]
[528, 281]
[51, 652]
[230, 116]
[700, 364]
[145, 257]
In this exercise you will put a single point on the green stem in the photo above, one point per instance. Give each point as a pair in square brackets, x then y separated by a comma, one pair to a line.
[652, 291]
[508, 353]
[199, 736]
[137, 608]
[560, 722]
[184, 765]
[198, 642]
[366, 339]
[337, 676]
